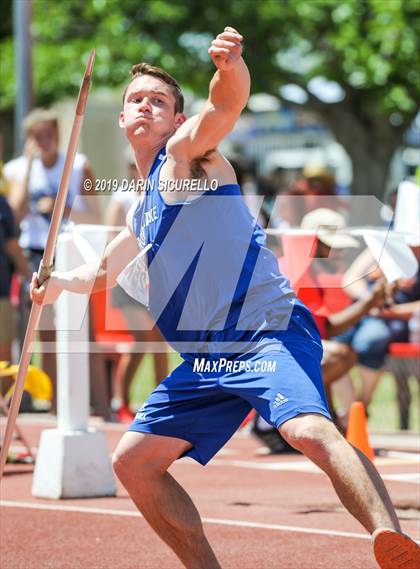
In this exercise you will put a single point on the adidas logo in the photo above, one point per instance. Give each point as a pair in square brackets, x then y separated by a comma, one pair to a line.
[279, 400]
[141, 415]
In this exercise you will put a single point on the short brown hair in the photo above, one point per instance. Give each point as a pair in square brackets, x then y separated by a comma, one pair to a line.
[145, 69]
[38, 116]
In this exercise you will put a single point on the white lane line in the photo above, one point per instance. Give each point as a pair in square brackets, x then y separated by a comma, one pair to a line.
[413, 477]
[277, 527]
[301, 466]
[61, 508]
[215, 521]
[411, 456]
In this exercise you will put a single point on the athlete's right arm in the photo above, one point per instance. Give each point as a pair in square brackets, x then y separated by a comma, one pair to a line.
[87, 278]
[228, 95]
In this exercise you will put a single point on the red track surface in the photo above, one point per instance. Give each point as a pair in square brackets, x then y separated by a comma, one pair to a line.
[236, 488]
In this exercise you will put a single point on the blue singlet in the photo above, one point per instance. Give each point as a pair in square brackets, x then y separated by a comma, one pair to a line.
[210, 272]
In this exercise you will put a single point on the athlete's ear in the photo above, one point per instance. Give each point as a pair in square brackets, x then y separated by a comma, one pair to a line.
[180, 118]
[121, 120]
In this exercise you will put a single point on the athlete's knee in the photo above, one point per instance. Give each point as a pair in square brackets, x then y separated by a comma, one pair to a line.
[129, 460]
[123, 463]
[143, 457]
[119, 464]
[313, 435]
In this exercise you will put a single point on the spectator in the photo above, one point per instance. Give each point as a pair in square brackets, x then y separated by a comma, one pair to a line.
[316, 189]
[138, 321]
[34, 180]
[11, 256]
[320, 180]
[329, 247]
[326, 252]
[370, 338]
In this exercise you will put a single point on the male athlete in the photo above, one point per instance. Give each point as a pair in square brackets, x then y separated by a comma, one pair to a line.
[246, 340]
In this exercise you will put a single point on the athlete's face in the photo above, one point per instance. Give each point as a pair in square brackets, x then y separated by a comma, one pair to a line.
[149, 110]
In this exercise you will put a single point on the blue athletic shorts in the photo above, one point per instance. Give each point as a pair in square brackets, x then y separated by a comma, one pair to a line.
[205, 401]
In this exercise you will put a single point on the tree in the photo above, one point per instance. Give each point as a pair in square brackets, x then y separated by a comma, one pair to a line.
[370, 48]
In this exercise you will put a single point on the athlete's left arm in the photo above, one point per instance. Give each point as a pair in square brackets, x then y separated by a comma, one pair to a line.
[228, 95]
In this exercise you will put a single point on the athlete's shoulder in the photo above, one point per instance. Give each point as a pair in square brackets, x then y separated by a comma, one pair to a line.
[210, 162]
[216, 167]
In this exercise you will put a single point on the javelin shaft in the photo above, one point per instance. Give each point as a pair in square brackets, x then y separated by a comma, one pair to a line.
[46, 264]
[60, 202]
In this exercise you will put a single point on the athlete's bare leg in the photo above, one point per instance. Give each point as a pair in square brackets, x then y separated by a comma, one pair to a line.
[355, 479]
[141, 462]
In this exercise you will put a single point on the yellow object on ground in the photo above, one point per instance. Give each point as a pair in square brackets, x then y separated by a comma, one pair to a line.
[37, 384]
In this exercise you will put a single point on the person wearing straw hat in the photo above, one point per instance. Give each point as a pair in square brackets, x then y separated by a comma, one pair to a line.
[371, 337]
[320, 289]
[218, 297]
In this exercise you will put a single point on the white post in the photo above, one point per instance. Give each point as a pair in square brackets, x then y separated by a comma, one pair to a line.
[73, 460]
[72, 320]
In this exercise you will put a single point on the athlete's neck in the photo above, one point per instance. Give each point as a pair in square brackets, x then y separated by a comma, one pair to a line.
[145, 156]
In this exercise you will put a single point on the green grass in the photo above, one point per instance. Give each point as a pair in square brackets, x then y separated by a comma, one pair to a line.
[383, 411]
[144, 380]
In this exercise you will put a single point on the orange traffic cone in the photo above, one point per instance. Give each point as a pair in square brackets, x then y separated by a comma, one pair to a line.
[357, 433]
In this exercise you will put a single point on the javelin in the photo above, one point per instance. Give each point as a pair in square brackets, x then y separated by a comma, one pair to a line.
[46, 265]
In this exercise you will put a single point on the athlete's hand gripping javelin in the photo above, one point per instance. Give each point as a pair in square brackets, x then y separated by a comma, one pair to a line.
[47, 293]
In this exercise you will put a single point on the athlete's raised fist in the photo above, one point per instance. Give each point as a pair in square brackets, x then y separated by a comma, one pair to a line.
[226, 49]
